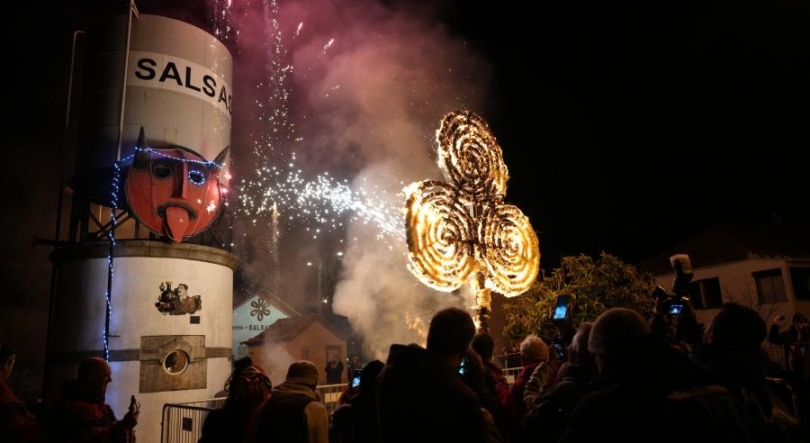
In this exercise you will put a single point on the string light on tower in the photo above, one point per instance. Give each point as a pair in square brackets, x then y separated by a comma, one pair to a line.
[461, 230]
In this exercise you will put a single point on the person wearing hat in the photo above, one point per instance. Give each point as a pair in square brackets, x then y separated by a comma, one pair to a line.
[636, 371]
[247, 387]
[732, 354]
[17, 424]
[293, 413]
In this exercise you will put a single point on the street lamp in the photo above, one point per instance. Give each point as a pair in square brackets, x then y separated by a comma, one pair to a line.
[323, 300]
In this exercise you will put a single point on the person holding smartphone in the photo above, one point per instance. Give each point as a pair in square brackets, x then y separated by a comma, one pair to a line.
[356, 378]
[364, 404]
[79, 411]
[534, 354]
[547, 416]
[420, 396]
[791, 339]
[794, 342]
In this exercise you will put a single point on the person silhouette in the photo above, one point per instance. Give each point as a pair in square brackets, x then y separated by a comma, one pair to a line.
[334, 371]
[420, 394]
[247, 387]
[17, 423]
[79, 412]
[293, 413]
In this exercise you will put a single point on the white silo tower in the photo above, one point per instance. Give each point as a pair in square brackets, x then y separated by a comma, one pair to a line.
[113, 274]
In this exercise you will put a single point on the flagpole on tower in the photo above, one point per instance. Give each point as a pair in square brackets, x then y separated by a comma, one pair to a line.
[133, 9]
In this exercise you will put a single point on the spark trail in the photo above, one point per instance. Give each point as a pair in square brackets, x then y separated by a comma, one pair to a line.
[268, 190]
[323, 203]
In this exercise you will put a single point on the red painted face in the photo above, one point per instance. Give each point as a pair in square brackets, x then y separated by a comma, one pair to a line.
[174, 191]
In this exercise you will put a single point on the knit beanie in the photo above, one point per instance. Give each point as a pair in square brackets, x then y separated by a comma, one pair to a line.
[617, 329]
[304, 372]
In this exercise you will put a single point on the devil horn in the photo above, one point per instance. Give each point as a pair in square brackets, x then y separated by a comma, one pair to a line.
[220, 160]
[141, 154]
[142, 139]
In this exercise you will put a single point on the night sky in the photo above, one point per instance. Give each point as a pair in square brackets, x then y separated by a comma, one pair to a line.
[629, 126]
[626, 126]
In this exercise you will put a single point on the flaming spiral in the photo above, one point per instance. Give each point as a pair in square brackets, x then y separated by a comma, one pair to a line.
[462, 231]
[471, 156]
[510, 249]
[441, 240]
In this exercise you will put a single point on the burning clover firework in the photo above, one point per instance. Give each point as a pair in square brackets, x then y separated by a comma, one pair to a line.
[462, 230]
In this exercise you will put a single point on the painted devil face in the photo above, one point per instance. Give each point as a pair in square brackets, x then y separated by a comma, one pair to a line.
[174, 191]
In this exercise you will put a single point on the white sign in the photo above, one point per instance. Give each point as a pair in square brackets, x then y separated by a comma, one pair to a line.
[161, 71]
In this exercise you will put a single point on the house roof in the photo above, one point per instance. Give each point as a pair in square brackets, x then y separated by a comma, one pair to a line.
[244, 296]
[286, 329]
[725, 243]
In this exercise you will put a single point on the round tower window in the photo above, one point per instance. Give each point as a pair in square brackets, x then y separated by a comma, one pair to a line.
[176, 362]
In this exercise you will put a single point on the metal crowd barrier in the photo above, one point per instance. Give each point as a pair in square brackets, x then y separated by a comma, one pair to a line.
[183, 422]
[330, 395]
[511, 373]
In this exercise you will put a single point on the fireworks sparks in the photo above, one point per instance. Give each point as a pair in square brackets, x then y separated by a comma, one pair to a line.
[220, 16]
[277, 187]
[324, 201]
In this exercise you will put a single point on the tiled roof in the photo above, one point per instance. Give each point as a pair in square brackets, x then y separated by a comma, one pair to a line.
[726, 243]
[286, 329]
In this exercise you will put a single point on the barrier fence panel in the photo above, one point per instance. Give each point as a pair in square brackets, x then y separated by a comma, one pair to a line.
[182, 422]
[330, 395]
[511, 373]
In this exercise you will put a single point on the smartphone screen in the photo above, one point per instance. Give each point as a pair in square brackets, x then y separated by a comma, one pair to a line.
[675, 309]
[356, 381]
[559, 348]
[462, 369]
[561, 308]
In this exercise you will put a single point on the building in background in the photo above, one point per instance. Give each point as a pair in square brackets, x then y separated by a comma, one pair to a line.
[765, 267]
[254, 313]
[306, 337]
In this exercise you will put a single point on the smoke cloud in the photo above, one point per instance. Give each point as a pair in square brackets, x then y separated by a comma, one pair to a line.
[358, 92]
